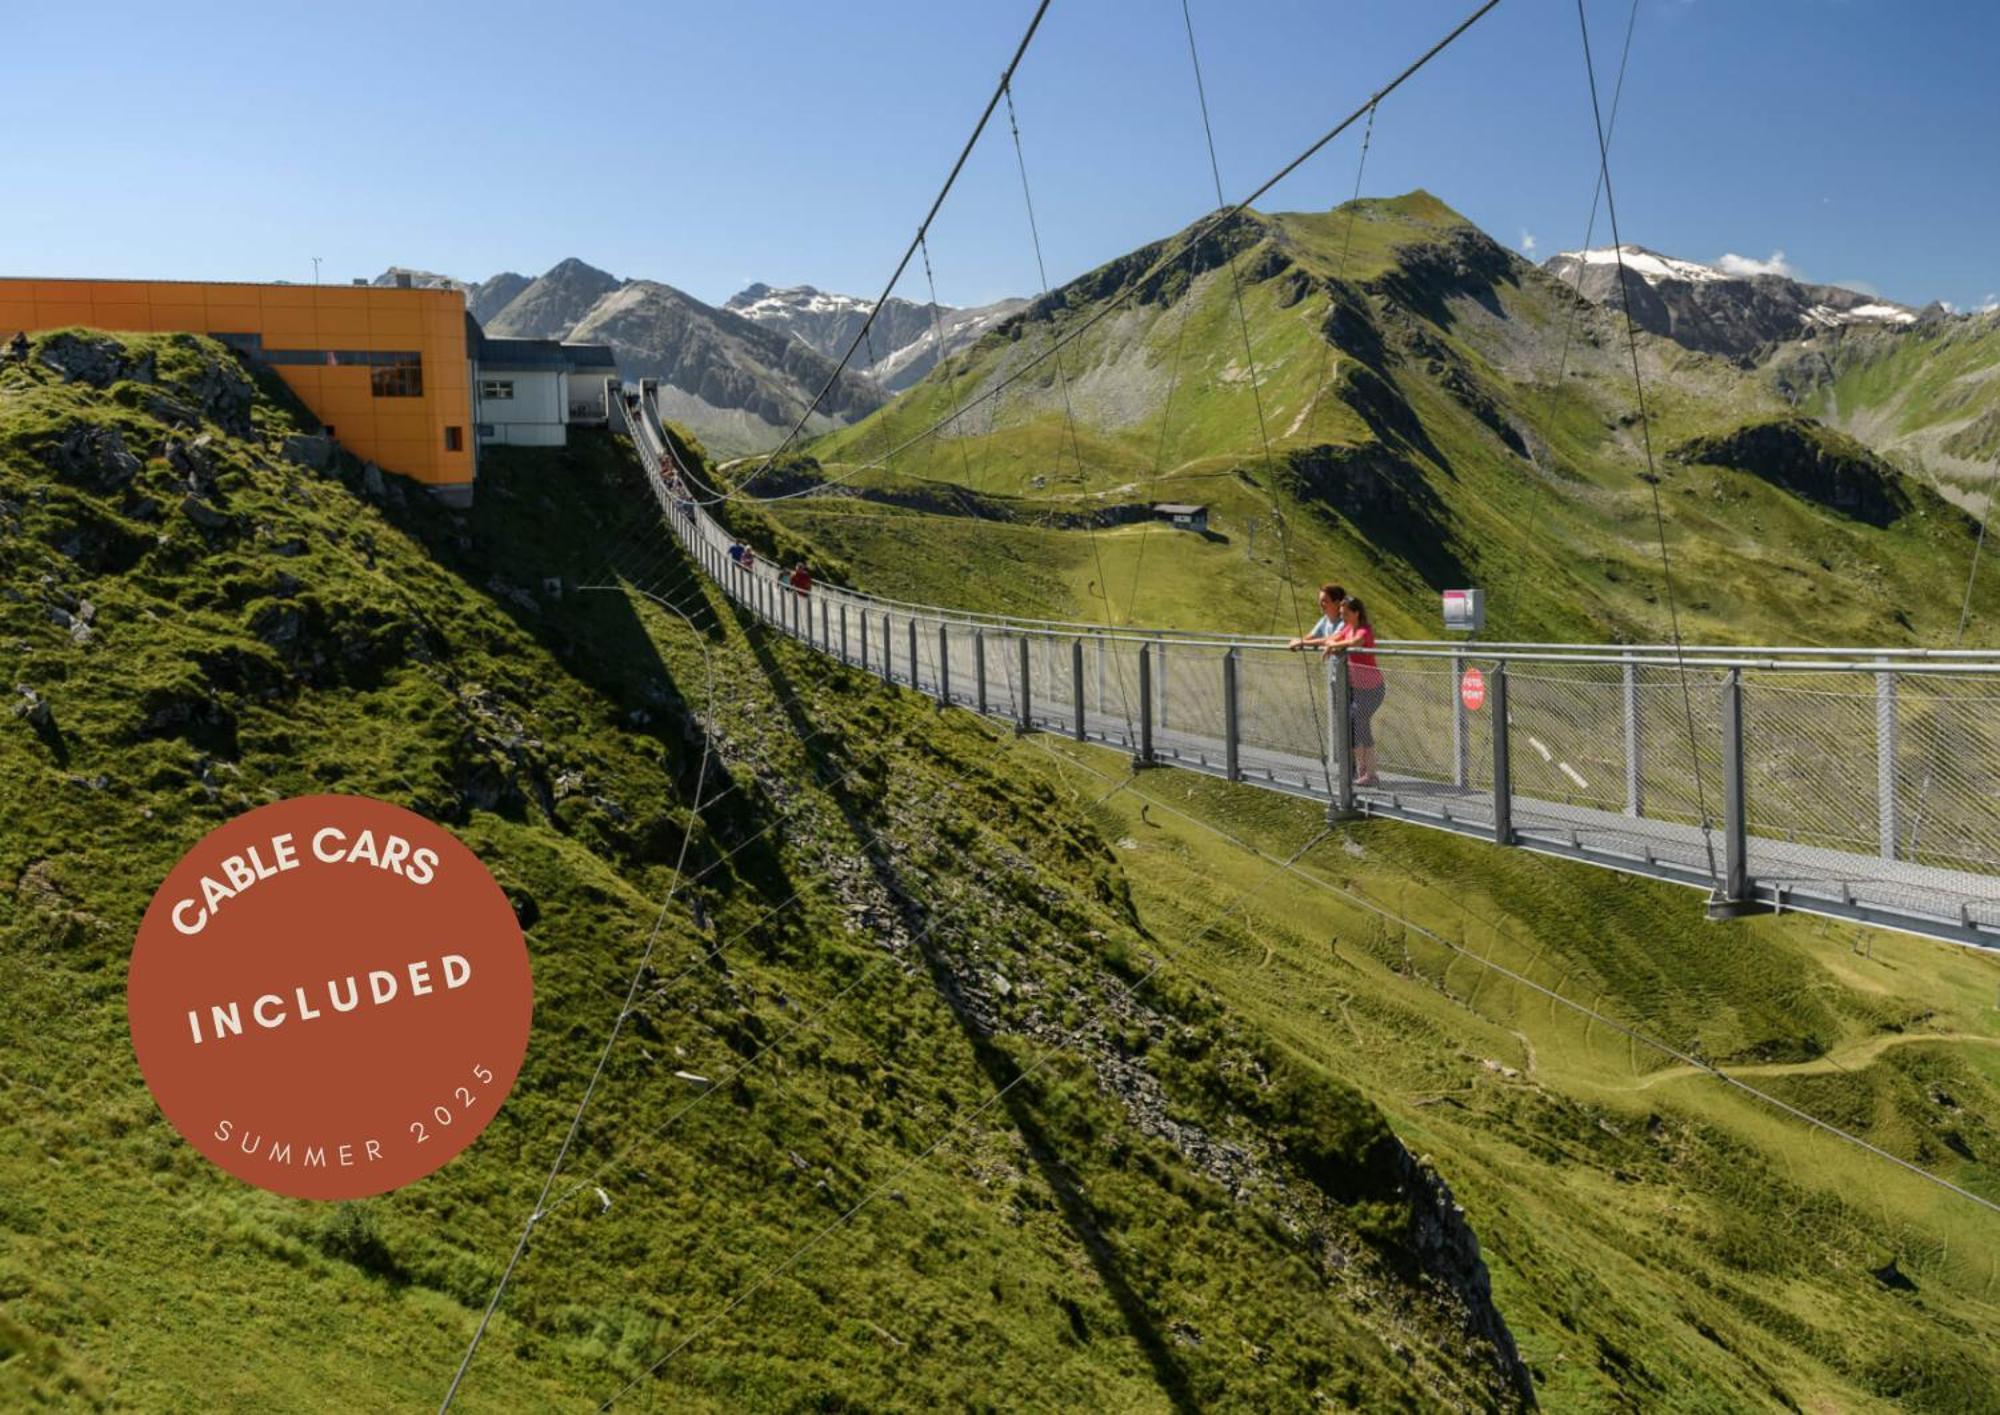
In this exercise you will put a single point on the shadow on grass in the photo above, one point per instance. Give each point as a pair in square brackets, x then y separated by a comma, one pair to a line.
[998, 1067]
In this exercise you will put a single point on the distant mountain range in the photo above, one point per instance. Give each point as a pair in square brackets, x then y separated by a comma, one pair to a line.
[741, 375]
[1713, 310]
[904, 340]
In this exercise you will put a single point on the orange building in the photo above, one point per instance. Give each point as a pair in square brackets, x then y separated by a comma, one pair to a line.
[386, 369]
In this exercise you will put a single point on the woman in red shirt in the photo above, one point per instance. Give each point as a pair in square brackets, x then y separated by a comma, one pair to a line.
[1365, 685]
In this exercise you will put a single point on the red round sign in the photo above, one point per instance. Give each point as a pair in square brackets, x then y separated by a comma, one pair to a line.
[330, 997]
[1472, 689]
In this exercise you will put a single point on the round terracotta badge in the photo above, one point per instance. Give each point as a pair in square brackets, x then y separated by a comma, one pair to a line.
[330, 997]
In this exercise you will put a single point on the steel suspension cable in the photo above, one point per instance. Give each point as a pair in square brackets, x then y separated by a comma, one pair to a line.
[1285, 584]
[923, 227]
[1667, 1049]
[603, 1056]
[1646, 441]
[1192, 238]
[1576, 293]
[1160, 446]
[957, 1127]
[951, 384]
[1062, 380]
[1340, 276]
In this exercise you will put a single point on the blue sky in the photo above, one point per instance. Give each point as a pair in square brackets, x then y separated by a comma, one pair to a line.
[711, 144]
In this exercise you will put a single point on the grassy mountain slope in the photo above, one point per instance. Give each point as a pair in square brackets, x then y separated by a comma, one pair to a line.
[1199, 1203]
[1171, 1210]
[1404, 364]
[1929, 394]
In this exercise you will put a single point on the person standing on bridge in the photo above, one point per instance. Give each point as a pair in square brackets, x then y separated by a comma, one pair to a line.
[802, 580]
[1331, 597]
[1364, 680]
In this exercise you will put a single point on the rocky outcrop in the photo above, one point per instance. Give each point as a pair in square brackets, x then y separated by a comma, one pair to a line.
[1386, 497]
[1714, 311]
[1825, 467]
[724, 360]
[902, 344]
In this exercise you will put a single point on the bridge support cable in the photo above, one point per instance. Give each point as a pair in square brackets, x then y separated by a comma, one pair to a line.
[1340, 278]
[1062, 381]
[617, 1025]
[1652, 473]
[1957, 641]
[1286, 584]
[1189, 242]
[1576, 301]
[963, 1124]
[923, 227]
[1243, 327]
[1317, 881]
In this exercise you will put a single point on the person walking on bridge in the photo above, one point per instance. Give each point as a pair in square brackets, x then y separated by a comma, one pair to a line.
[801, 580]
[1330, 599]
[1364, 680]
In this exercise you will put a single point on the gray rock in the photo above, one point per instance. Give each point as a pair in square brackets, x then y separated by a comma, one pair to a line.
[33, 706]
[224, 394]
[98, 362]
[371, 481]
[204, 515]
[308, 450]
[94, 456]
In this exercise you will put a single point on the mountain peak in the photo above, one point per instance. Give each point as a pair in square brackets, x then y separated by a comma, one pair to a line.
[1723, 308]
[572, 268]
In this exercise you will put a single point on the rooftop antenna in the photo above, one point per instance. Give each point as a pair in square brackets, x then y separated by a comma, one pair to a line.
[315, 261]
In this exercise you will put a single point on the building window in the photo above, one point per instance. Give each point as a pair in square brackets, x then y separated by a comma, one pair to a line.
[399, 380]
[454, 439]
[496, 390]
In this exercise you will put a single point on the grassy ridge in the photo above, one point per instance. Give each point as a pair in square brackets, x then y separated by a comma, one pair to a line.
[1415, 441]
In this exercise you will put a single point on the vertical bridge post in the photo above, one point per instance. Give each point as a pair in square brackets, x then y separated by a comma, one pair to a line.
[944, 666]
[1143, 755]
[979, 668]
[1635, 790]
[1026, 700]
[1732, 895]
[1231, 737]
[1503, 766]
[916, 675]
[1076, 686]
[888, 649]
[863, 616]
[843, 633]
[1461, 738]
[1887, 824]
[1340, 738]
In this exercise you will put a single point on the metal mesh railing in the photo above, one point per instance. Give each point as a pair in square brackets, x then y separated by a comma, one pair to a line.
[1866, 784]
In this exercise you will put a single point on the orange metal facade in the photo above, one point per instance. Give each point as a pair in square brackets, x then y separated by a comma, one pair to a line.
[427, 436]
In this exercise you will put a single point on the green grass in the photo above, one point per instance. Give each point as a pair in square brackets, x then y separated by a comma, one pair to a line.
[1654, 1239]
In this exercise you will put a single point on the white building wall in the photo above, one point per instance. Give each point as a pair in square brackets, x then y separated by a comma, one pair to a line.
[533, 417]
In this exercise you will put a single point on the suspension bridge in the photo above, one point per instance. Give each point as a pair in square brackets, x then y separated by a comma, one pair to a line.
[1859, 784]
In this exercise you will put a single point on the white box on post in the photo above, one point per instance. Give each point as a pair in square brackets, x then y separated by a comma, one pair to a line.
[1464, 611]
